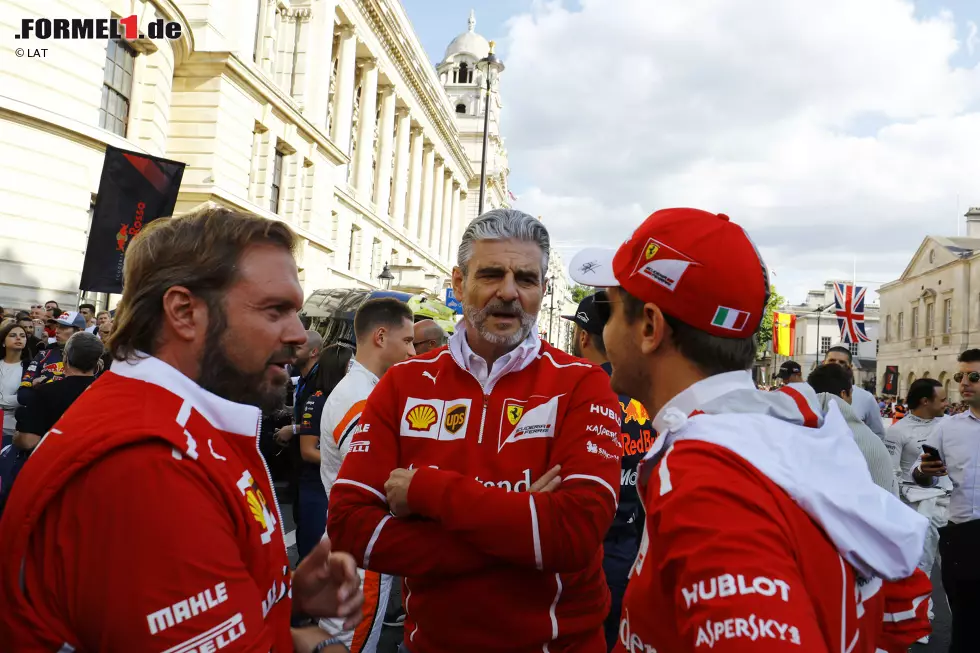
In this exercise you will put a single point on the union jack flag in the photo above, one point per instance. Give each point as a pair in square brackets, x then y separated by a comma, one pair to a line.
[850, 312]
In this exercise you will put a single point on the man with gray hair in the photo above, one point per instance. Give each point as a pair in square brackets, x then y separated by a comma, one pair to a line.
[83, 360]
[539, 432]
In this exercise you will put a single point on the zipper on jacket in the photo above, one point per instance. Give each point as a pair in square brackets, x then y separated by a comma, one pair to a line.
[486, 392]
[272, 484]
[483, 417]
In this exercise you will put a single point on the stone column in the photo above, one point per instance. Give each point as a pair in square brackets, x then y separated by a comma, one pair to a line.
[404, 122]
[414, 184]
[442, 247]
[316, 81]
[365, 127]
[386, 136]
[436, 222]
[425, 205]
[454, 230]
[344, 95]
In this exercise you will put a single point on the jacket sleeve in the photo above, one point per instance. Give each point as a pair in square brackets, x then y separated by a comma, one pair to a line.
[26, 390]
[872, 415]
[559, 531]
[358, 519]
[725, 565]
[167, 534]
[906, 617]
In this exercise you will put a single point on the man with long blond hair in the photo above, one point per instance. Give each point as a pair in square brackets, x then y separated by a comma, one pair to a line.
[191, 554]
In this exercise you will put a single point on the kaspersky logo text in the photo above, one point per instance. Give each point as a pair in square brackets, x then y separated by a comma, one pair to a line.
[99, 29]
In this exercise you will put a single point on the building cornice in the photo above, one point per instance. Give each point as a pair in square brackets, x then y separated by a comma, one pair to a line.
[428, 93]
[212, 64]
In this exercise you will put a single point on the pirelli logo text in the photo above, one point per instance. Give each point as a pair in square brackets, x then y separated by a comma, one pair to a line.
[215, 639]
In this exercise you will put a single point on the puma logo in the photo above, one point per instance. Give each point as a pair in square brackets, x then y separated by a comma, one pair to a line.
[430, 376]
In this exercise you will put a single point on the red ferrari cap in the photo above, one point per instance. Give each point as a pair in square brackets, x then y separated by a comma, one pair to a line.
[698, 267]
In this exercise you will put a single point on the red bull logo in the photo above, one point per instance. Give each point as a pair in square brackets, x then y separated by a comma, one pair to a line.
[634, 412]
[122, 237]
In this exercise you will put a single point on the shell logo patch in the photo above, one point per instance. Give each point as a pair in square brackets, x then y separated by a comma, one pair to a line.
[422, 417]
[435, 419]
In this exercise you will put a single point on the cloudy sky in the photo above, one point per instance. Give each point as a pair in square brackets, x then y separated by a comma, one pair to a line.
[834, 131]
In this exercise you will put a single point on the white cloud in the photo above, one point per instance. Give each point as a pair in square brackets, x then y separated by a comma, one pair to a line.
[830, 130]
[972, 39]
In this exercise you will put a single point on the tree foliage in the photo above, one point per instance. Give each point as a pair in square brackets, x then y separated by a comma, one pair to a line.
[581, 292]
[765, 329]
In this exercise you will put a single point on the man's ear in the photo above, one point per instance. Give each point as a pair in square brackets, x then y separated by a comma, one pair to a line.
[458, 283]
[185, 314]
[653, 328]
[380, 334]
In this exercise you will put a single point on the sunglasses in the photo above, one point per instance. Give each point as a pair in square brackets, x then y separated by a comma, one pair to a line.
[974, 377]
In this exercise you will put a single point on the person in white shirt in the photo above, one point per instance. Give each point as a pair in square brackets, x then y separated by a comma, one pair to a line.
[13, 361]
[957, 439]
[904, 440]
[863, 402]
[385, 334]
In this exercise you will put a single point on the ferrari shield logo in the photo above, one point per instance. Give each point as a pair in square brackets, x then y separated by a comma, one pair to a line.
[651, 250]
[514, 414]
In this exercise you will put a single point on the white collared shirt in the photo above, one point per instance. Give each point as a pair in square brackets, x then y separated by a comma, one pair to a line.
[958, 440]
[513, 360]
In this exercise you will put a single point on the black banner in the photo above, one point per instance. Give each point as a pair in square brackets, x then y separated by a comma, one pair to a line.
[890, 383]
[135, 190]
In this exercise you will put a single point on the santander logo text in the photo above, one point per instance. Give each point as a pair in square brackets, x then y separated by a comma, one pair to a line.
[522, 485]
[630, 640]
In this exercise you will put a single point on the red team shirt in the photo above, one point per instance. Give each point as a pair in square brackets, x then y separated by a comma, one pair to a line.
[145, 521]
[488, 566]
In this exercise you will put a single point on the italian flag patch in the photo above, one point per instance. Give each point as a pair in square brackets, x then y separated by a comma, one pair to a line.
[729, 318]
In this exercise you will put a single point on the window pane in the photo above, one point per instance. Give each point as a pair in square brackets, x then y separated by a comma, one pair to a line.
[123, 110]
[110, 51]
[117, 78]
[127, 86]
[102, 118]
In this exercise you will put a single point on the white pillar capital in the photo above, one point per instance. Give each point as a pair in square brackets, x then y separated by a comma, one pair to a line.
[367, 63]
[346, 31]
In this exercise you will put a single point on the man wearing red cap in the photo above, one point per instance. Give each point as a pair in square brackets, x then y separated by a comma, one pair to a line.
[762, 534]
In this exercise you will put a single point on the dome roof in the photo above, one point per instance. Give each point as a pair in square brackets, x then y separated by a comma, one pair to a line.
[469, 42]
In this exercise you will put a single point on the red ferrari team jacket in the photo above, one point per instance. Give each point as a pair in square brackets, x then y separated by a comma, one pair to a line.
[766, 536]
[488, 565]
[145, 521]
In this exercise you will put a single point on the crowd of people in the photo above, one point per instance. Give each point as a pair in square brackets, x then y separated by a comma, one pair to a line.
[485, 491]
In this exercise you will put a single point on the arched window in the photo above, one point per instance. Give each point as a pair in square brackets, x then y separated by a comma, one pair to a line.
[465, 74]
[460, 108]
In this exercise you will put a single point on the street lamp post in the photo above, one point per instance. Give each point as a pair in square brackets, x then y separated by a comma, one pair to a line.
[488, 65]
[820, 310]
[386, 277]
